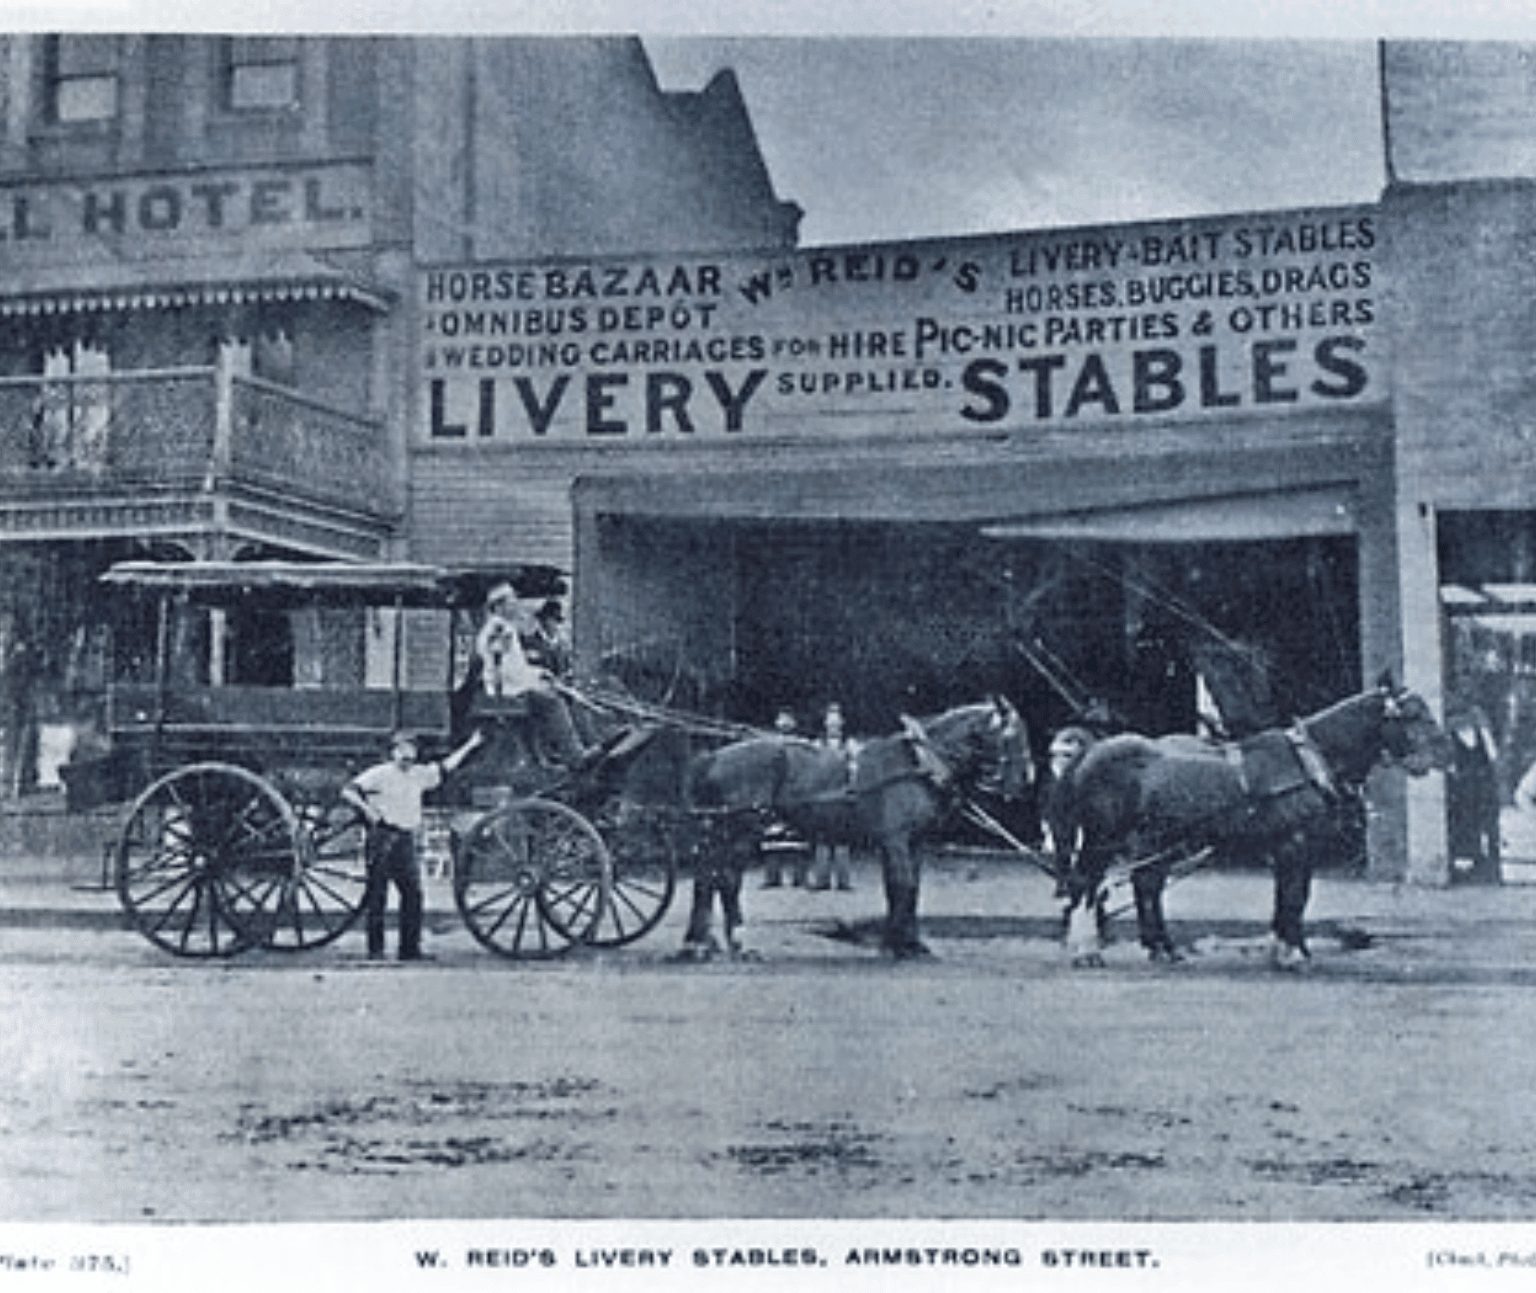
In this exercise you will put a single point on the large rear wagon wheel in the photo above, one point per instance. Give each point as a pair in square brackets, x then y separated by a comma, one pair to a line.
[532, 878]
[206, 858]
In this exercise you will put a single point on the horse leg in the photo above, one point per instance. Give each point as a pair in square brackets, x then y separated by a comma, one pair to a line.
[901, 887]
[1085, 939]
[1293, 888]
[1084, 883]
[699, 941]
[728, 884]
[1147, 883]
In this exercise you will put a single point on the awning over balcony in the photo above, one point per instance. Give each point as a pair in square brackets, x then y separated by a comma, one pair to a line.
[259, 278]
[334, 583]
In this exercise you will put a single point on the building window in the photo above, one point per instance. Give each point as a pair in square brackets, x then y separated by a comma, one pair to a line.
[82, 74]
[267, 355]
[260, 73]
[74, 412]
[272, 358]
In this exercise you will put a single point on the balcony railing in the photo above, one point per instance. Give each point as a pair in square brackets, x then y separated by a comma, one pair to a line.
[185, 428]
[286, 440]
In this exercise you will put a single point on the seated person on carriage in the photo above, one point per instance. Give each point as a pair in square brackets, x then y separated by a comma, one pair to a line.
[507, 683]
[545, 643]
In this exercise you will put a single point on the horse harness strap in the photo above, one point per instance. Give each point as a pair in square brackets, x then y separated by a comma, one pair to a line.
[1235, 760]
[1312, 762]
[1273, 764]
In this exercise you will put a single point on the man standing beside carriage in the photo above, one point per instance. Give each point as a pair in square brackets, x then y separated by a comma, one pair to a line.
[389, 796]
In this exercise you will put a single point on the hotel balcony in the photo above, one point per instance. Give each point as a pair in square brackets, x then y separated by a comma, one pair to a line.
[202, 457]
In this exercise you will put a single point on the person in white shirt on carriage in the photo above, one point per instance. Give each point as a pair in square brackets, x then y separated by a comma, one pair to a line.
[510, 682]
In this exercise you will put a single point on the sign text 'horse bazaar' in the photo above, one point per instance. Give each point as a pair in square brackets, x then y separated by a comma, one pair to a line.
[1194, 319]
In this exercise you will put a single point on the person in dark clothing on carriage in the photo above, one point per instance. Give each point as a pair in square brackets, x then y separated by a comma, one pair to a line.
[389, 796]
[545, 644]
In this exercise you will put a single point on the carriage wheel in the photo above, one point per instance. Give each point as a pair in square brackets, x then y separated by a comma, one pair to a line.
[324, 898]
[644, 881]
[206, 857]
[532, 878]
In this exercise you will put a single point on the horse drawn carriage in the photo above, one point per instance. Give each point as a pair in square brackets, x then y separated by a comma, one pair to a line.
[234, 833]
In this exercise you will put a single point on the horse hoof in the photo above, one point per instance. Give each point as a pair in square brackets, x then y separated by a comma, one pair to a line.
[1165, 956]
[910, 952]
[696, 953]
[1293, 960]
[1088, 961]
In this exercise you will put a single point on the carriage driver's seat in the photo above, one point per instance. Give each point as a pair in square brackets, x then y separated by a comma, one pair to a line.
[507, 722]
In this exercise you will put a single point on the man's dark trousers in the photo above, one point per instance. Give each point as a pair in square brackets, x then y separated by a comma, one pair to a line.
[392, 860]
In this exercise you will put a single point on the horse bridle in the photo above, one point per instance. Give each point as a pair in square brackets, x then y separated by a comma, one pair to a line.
[937, 769]
[1009, 727]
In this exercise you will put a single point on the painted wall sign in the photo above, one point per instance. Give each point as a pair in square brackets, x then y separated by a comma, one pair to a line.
[155, 215]
[1215, 318]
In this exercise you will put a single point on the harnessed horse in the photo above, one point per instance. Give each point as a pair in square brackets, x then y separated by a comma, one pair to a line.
[898, 788]
[1141, 805]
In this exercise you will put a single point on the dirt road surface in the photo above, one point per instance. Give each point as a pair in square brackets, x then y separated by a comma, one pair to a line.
[1391, 1083]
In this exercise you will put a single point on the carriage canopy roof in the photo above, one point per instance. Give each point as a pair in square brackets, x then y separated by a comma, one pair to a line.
[293, 582]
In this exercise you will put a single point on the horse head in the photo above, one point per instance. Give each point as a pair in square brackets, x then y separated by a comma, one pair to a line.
[1410, 736]
[987, 745]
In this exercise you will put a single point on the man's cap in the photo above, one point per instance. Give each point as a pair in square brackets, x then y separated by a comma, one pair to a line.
[403, 736]
[551, 611]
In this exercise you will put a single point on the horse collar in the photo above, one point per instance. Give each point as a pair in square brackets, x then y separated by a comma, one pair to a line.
[1312, 760]
[930, 763]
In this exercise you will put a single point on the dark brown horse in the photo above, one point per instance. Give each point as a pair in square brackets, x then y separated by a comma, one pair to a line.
[894, 790]
[1140, 805]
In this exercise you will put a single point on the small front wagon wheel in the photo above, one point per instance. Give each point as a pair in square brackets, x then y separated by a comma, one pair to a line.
[644, 880]
[532, 878]
[205, 859]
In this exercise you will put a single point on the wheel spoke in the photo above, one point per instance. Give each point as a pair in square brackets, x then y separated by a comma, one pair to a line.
[323, 898]
[531, 879]
[204, 859]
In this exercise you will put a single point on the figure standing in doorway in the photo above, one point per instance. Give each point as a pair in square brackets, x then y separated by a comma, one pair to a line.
[833, 862]
[1472, 798]
[782, 849]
